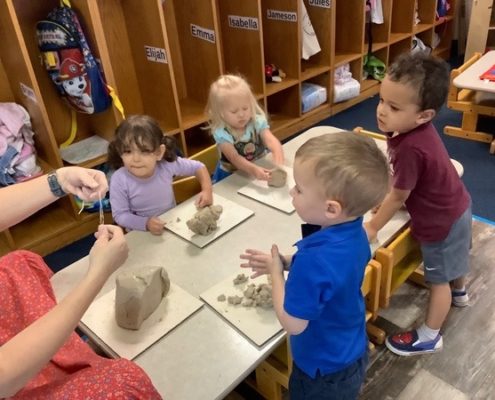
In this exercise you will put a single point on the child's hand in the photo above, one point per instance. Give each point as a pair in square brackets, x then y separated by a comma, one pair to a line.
[262, 174]
[370, 232]
[276, 266]
[259, 262]
[205, 198]
[155, 226]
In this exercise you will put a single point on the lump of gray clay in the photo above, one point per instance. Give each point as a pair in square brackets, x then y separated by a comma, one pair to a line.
[138, 294]
[278, 178]
[205, 220]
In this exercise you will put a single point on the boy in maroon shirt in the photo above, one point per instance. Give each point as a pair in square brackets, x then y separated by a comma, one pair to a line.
[425, 180]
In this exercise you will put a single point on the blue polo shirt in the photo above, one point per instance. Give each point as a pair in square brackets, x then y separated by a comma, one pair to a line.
[324, 287]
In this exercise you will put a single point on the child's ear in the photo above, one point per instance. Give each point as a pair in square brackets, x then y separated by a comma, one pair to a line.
[426, 116]
[334, 209]
[161, 151]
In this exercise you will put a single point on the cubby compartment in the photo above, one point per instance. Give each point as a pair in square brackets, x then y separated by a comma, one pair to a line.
[404, 46]
[356, 69]
[379, 32]
[284, 108]
[444, 31]
[56, 113]
[402, 19]
[192, 32]
[139, 60]
[426, 37]
[322, 20]
[426, 15]
[197, 138]
[21, 84]
[349, 31]
[5, 90]
[54, 221]
[281, 41]
[370, 82]
[322, 80]
[240, 23]
[6, 243]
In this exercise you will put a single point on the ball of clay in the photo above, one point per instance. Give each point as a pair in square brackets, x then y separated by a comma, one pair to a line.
[205, 220]
[138, 294]
[278, 178]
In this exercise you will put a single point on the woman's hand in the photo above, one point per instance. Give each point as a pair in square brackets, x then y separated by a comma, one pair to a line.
[155, 226]
[109, 251]
[87, 184]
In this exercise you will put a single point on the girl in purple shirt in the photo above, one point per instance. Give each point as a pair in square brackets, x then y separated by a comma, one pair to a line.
[145, 163]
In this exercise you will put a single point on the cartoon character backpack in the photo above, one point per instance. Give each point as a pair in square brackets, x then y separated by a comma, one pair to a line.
[70, 63]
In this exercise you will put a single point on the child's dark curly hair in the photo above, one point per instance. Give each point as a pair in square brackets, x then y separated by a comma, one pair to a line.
[429, 74]
[144, 132]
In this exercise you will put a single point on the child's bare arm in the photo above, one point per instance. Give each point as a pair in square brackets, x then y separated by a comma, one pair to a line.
[274, 145]
[392, 203]
[205, 197]
[242, 164]
[293, 325]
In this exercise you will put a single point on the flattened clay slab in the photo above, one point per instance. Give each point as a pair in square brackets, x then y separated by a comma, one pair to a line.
[138, 293]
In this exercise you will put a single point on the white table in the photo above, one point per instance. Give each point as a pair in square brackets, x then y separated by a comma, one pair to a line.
[205, 357]
[469, 79]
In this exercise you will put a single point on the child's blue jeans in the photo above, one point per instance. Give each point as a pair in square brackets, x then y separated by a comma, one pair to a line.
[341, 385]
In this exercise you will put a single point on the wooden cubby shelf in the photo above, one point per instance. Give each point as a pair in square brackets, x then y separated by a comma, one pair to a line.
[162, 56]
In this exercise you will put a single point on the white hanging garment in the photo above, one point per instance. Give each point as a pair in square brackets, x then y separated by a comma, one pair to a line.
[310, 45]
[376, 12]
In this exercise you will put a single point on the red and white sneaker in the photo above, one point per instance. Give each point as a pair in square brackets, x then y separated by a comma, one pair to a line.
[408, 344]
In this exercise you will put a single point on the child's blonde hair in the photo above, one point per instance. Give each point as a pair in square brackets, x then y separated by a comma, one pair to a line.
[224, 86]
[351, 168]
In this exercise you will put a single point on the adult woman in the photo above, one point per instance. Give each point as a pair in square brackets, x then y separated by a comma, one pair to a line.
[40, 355]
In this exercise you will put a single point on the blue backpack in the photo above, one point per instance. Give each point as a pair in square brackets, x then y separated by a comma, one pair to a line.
[70, 63]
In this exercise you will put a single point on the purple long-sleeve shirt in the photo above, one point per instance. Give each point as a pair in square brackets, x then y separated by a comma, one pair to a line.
[134, 200]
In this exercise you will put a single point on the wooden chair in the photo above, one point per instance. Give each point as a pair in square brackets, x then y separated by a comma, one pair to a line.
[185, 188]
[464, 100]
[273, 373]
[400, 261]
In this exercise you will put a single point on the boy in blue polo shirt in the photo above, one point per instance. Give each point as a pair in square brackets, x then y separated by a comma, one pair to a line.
[338, 176]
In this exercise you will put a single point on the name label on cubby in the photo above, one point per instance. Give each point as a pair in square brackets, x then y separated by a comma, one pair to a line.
[156, 54]
[236, 21]
[320, 3]
[281, 15]
[203, 33]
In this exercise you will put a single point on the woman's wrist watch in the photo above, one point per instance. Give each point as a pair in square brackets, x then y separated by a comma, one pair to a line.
[54, 185]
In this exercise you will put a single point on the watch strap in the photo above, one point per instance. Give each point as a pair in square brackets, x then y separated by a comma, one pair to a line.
[54, 185]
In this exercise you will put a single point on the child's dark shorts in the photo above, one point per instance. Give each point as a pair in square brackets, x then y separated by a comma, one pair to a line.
[344, 384]
[449, 259]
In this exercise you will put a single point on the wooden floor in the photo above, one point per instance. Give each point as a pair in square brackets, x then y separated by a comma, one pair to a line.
[465, 368]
